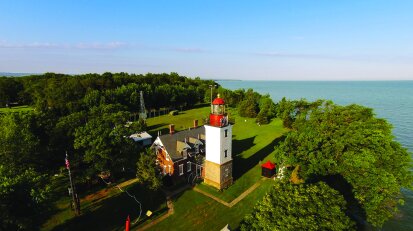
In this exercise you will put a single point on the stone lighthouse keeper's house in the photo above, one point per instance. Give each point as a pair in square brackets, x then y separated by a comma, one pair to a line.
[202, 151]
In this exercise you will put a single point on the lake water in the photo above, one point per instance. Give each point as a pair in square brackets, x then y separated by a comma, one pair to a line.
[392, 100]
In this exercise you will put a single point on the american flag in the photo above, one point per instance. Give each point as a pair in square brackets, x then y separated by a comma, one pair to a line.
[67, 162]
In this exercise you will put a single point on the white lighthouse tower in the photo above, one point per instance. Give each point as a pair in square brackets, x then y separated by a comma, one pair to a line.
[218, 157]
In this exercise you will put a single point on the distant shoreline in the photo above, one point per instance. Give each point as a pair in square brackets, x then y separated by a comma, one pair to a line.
[22, 74]
[12, 74]
[279, 80]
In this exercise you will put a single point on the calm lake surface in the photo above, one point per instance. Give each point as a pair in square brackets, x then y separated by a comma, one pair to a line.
[392, 100]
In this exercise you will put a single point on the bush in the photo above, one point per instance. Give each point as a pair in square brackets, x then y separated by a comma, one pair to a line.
[262, 117]
[248, 108]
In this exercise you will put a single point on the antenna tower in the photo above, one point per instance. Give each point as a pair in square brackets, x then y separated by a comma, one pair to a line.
[142, 111]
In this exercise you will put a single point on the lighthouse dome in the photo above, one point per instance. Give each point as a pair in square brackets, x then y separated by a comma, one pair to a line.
[218, 101]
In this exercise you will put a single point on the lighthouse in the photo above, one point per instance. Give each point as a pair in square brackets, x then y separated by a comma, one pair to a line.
[218, 149]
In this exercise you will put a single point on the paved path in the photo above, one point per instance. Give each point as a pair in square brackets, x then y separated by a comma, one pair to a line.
[105, 192]
[212, 197]
[236, 200]
[245, 193]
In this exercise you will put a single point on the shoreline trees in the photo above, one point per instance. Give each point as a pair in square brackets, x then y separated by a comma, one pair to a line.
[299, 207]
[351, 150]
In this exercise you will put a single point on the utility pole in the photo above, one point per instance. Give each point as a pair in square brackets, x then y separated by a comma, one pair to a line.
[75, 198]
[211, 87]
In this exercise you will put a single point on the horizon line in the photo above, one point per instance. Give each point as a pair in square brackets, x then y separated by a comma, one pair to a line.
[23, 74]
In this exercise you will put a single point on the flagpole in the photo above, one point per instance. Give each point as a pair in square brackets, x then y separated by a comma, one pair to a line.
[74, 201]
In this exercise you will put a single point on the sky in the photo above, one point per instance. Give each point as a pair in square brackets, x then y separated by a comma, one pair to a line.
[255, 40]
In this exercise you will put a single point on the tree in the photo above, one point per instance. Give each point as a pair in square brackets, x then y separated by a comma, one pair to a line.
[23, 195]
[267, 110]
[262, 117]
[350, 145]
[290, 110]
[18, 144]
[147, 171]
[10, 89]
[105, 141]
[299, 207]
[249, 106]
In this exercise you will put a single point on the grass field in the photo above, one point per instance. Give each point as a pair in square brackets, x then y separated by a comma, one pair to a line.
[252, 144]
[182, 121]
[194, 211]
[16, 109]
[107, 208]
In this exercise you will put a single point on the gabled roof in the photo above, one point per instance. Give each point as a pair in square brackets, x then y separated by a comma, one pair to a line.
[171, 142]
[268, 165]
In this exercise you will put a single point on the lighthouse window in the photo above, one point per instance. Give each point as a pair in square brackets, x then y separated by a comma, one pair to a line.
[218, 109]
[226, 132]
[226, 153]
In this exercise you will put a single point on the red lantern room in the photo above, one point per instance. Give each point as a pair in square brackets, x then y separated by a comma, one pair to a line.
[218, 116]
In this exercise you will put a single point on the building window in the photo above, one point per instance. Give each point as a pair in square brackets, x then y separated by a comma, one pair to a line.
[181, 169]
[198, 170]
[166, 157]
[188, 166]
[169, 170]
[226, 153]
[164, 169]
[226, 132]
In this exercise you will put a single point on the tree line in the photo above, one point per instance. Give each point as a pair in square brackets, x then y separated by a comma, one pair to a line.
[70, 93]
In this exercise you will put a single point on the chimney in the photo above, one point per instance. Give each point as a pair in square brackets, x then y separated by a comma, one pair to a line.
[171, 129]
[195, 123]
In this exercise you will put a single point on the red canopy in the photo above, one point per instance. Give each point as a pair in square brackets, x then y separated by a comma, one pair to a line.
[218, 101]
[268, 165]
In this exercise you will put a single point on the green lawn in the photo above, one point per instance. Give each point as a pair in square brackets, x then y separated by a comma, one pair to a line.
[194, 211]
[105, 209]
[252, 144]
[16, 109]
[182, 121]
